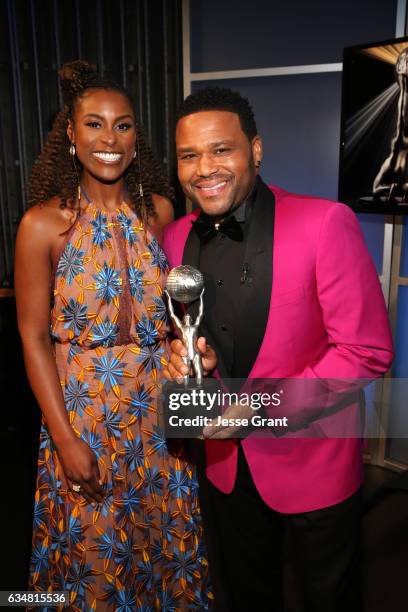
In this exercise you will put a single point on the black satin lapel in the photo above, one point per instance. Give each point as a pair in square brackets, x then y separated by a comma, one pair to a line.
[255, 292]
[191, 257]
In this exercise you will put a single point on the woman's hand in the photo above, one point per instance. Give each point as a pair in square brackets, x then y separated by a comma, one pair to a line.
[81, 468]
[177, 369]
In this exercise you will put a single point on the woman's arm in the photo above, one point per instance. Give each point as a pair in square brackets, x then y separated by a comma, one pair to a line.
[33, 268]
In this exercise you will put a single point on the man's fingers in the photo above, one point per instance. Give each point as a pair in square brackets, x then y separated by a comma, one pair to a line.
[178, 364]
[171, 375]
[221, 433]
[210, 430]
[202, 345]
[175, 374]
[208, 355]
[217, 433]
[178, 347]
[178, 370]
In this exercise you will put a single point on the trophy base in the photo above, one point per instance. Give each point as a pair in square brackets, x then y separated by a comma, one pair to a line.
[188, 408]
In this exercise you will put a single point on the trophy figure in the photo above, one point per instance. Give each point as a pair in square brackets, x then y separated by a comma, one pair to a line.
[391, 181]
[185, 284]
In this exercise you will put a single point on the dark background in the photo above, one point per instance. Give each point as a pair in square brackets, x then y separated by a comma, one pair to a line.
[138, 42]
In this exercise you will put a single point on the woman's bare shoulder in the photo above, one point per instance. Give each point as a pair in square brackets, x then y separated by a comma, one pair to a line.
[47, 216]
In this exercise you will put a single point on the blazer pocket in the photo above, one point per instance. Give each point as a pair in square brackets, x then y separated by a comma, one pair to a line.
[288, 297]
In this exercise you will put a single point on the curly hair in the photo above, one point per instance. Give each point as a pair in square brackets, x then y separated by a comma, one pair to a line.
[222, 99]
[54, 173]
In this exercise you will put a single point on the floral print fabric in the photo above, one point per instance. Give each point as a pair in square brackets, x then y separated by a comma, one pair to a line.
[141, 549]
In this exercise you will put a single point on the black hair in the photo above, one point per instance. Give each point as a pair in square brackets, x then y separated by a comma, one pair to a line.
[222, 99]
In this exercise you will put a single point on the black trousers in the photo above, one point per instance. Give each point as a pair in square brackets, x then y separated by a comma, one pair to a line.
[245, 540]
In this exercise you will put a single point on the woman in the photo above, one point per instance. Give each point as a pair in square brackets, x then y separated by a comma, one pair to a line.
[116, 521]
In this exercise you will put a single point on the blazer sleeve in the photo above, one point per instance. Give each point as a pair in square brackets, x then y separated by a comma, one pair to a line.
[359, 341]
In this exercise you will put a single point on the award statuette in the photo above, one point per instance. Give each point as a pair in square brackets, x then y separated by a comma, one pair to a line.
[189, 408]
[185, 284]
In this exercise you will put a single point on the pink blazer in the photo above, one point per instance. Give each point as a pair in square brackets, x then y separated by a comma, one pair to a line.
[327, 319]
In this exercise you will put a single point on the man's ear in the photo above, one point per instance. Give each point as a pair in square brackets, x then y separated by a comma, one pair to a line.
[257, 150]
[70, 130]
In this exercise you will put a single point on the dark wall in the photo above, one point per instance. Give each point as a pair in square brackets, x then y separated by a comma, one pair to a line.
[266, 33]
[137, 41]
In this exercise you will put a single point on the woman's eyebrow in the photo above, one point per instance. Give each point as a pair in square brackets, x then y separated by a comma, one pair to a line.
[127, 116]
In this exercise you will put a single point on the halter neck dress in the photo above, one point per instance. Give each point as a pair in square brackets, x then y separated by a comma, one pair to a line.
[141, 549]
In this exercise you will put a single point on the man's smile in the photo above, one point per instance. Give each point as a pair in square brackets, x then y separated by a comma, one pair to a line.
[212, 189]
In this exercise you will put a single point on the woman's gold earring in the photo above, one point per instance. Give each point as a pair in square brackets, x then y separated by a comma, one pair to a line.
[72, 152]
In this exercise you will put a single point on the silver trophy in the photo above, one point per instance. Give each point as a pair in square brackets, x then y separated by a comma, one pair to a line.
[185, 284]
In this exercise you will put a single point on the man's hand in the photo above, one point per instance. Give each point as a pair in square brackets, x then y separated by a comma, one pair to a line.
[223, 432]
[177, 369]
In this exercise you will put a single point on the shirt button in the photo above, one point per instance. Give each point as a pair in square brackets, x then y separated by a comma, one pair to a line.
[224, 327]
[220, 282]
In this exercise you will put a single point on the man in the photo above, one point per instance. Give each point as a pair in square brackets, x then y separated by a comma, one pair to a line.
[291, 292]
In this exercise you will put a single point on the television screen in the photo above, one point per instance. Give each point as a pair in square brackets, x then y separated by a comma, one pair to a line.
[374, 128]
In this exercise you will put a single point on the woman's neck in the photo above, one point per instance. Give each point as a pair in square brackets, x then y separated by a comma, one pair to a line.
[104, 195]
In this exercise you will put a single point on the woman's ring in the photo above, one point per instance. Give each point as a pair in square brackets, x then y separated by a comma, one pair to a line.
[76, 488]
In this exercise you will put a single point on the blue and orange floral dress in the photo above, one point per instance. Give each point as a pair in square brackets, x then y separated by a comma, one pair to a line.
[141, 549]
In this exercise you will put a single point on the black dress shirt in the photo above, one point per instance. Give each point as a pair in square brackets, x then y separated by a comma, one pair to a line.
[222, 264]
